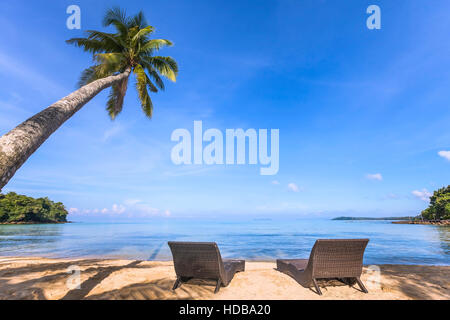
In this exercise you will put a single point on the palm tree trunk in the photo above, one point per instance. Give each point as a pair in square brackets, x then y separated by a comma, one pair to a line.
[21, 142]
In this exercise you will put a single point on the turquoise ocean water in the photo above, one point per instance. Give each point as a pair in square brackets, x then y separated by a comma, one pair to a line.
[257, 239]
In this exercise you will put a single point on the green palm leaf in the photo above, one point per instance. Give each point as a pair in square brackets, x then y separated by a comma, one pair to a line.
[166, 66]
[155, 45]
[141, 87]
[116, 97]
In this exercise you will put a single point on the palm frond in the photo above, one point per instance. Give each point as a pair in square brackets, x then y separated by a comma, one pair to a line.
[111, 40]
[154, 45]
[151, 86]
[112, 58]
[153, 75]
[109, 63]
[88, 45]
[138, 21]
[114, 105]
[118, 18]
[113, 15]
[141, 87]
[166, 66]
[142, 33]
[87, 76]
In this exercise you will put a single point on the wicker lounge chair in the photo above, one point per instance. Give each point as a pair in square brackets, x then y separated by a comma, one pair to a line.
[333, 258]
[202, 260]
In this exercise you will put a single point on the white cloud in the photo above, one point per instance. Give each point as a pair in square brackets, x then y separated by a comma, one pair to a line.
[73, 210]
[422, 195]
[118, 209]
[374, 176]
[444, 154]
[293, 187]
[131, 207]
[276, 182]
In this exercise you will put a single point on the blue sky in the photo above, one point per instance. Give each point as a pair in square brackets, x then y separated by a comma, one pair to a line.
[362, 113]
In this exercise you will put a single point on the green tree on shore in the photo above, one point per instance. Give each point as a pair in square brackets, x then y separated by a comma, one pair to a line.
[15, 208]
[128, 50]
[439, 205]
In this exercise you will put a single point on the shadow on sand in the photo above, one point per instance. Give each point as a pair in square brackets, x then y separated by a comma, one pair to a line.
[416, 283]
[55, 275]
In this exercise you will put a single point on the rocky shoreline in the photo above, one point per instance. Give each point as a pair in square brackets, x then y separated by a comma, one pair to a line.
[437, 223]
[32, 222]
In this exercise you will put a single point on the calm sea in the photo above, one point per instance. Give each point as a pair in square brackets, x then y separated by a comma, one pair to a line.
[259, 239]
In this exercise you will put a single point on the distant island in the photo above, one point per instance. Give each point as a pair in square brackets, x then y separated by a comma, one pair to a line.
[399, 220]
[371, 218]
[438, 213]
[20, 209]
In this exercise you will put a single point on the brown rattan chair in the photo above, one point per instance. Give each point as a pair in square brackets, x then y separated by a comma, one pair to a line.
[332, 258]
[202, 260]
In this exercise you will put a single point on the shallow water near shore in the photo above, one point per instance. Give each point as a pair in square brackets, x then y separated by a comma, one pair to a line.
[258, 239]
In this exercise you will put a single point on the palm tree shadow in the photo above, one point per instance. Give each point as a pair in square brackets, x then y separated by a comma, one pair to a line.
[155, 252]
[160, 289]
[54, 274]
[419, 282]
[42, 267]
[92, 282]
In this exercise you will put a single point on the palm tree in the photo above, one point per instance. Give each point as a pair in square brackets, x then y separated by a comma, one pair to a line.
[116, 56]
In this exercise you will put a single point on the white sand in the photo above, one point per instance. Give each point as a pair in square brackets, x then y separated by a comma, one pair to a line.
[39, 278]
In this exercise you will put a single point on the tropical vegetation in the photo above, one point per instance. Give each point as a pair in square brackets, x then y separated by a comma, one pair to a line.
[439, 208]
[15, 208]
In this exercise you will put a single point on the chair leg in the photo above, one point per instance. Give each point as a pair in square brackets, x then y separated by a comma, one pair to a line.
[317, 287]
[177, 284]
[218, 286]
[361, 285]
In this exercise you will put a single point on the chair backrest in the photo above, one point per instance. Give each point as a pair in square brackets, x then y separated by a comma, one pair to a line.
[337, 258]
[197, 259]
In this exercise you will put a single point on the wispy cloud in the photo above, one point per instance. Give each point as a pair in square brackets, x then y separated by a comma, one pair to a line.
[275, 182]
[374, 176]
[115, 130]
[392, 196]
[33, 79]
[444, 154]
[422, 195]
[293, 187]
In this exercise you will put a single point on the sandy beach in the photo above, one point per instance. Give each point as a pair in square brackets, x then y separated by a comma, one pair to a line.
[40, 278]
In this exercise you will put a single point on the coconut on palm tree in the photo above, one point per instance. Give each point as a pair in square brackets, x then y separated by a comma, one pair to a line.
[117, 55]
